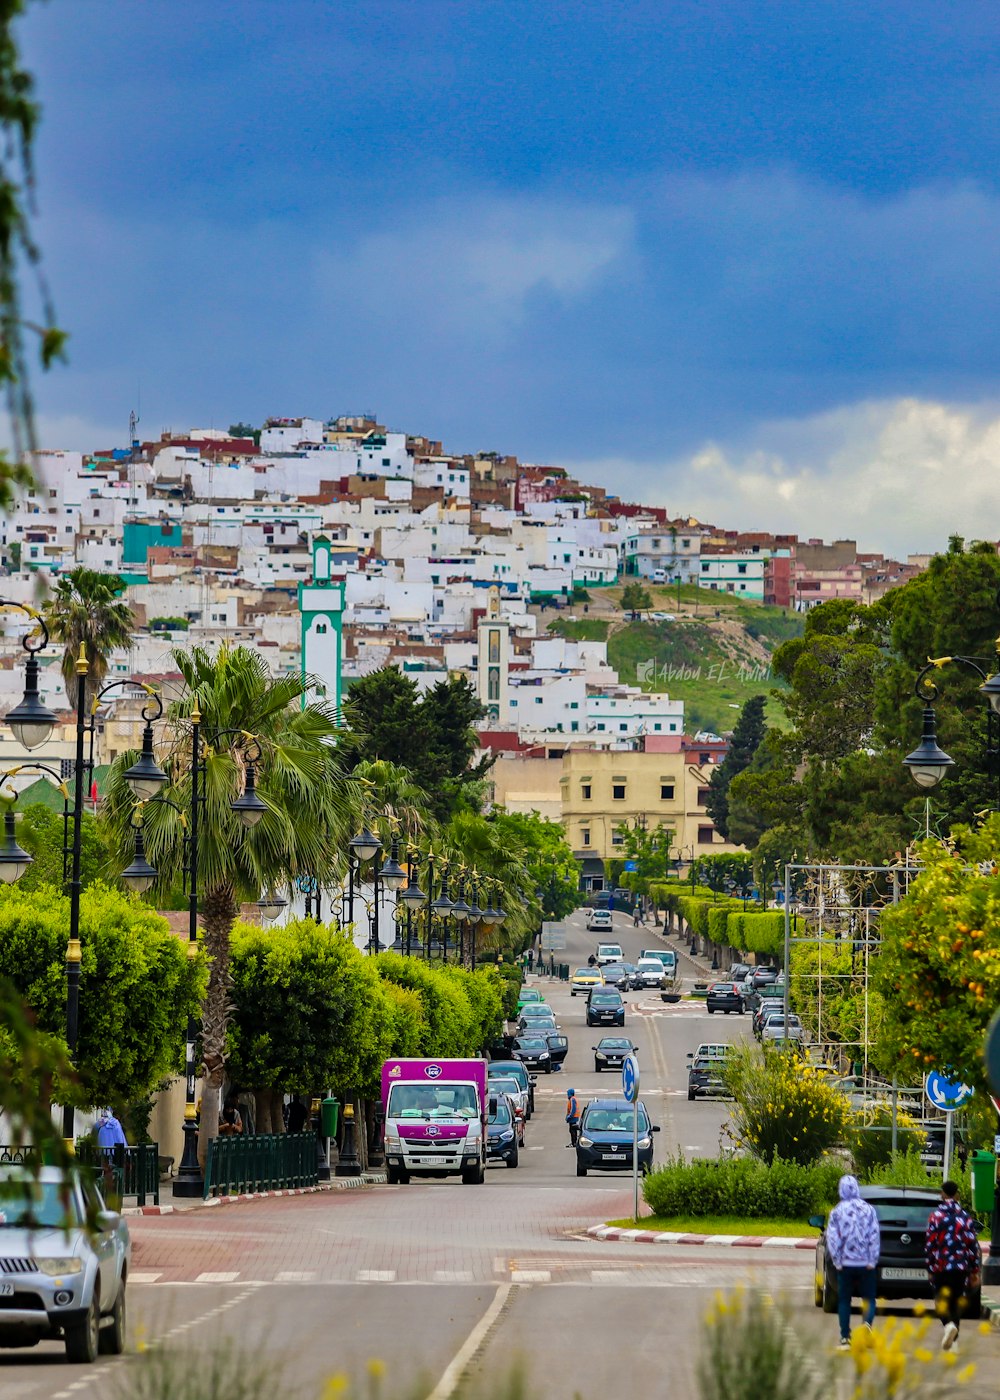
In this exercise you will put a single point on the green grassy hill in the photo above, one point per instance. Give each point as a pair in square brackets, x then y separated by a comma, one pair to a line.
[713, 656]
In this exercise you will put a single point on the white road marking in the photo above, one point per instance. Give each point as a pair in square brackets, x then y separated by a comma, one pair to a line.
[459, 1363]
[144, 1278]
[530, 1276]
[453, 1276]
[376, 1276]
[293, 1276]
[217, 1278]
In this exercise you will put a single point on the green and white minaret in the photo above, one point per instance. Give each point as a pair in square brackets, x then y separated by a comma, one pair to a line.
[321, 608]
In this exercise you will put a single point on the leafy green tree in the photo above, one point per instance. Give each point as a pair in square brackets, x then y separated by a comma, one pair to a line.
[767, 793]
[547, 856]
[311, 812]
[87, 609]
[477, 843]
[137, 986]
[308, 1010]
[635, 599]
[647, 850]
[938, 969]
[40, 832]
[746, 740]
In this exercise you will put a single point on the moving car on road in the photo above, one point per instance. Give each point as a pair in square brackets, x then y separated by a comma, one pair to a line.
[650, 972]
[723, 996]
[609, 953]
[902, 1213]
[705, 1077]
[605, 1140]
[600, 921]
[618, 974]
[610, 1051]
[584, 978]
[65, 1264]
[501, 1132]
[605, 1007]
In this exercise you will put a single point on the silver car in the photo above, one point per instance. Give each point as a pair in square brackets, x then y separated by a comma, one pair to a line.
[64, 1260]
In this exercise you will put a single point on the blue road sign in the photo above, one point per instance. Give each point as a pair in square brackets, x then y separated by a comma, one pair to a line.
[630, 1078]
[947, 1094]
[631, 865]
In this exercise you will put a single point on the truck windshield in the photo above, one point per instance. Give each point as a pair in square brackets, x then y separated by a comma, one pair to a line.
[432, 1101]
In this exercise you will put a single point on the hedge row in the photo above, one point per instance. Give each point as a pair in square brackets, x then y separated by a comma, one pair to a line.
[742, 1187]
[723, 920]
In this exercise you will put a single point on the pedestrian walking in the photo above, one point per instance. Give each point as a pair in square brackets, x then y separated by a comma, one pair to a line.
[853, 1241]
[297, 1115]
[572, 1116]
[110, 1133]
[636, 917]
[531, 959]
[952, 1254]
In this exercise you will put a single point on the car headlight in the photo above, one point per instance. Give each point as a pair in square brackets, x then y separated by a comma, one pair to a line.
[601, 1055]
[585, 1141]
[544, 1055]
[645, 1142]
[55, 1267]
[507, 1135]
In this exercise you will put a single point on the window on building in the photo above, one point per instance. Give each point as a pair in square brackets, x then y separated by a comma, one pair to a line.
[321, 628]
[538, 699]
[585, 835]
[513, 704]
[705, 834]
[618, 790]
[704, 758]
[574, 726]
[585, 791]
[741, 568]
[617, 839]
[600, 728]
[494, 645]
[623, 726]
[666, 791]
[655, 544]
[574, 704]
[685, 544]
[567, 558]
[702, 796]
[387, 461]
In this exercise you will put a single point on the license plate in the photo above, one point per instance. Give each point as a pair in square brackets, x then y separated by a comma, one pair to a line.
[906, 1275]
[6, 1290]
[612, 1156]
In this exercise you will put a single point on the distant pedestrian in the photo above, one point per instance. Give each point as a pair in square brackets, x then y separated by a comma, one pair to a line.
[110, 1133]
[531, 958]
[636, 917]
[952, 1254]
[572, 1116]
[230, 1122]
[853, 1241]
[297, 1115]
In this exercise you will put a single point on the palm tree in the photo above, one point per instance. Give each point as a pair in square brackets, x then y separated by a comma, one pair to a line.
[311, 811]
[87, 609]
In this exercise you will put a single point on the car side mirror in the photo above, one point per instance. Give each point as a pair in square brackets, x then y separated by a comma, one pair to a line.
[656, 1127]
[108, 1220]
[690, 1055]
[817, 1221]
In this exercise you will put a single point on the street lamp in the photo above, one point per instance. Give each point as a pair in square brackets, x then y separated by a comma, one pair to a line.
[14, 860]
[145, 778]
[248, 806]
[928, 763]
[140, 875]
[270, 905]
[411, 897]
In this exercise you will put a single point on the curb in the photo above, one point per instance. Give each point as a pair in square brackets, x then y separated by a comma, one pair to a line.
[613, 1234]
[346, 1183]
[991, 1312]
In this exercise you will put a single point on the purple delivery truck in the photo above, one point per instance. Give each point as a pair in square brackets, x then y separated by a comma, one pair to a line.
[435, 1119]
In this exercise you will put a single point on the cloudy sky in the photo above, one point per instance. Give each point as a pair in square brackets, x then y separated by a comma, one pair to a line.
[740, 258]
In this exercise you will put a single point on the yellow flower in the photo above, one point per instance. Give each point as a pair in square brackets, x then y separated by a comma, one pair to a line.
[376, 1369]
[966, 1373]
[336, 1387]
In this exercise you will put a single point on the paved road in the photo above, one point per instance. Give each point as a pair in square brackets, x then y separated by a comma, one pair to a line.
[407, 1274]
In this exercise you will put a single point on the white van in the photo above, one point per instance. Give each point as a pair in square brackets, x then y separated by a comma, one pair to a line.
[609, 953]
[666, 956]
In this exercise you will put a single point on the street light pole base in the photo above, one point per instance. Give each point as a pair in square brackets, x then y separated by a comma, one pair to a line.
[991, 1271]
[189, 1183]
[189, 1187]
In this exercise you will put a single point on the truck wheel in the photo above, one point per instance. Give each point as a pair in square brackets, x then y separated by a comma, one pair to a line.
[82, 1337]
[111, 1340]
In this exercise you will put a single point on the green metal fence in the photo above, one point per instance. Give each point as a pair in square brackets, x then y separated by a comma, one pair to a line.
[265, 1162]
[123, 1171]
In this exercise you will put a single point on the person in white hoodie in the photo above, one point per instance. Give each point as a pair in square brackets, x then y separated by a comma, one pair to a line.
[853, 1242]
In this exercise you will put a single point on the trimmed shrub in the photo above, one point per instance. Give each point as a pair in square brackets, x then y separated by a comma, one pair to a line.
[744, 1187]
[870, 1140]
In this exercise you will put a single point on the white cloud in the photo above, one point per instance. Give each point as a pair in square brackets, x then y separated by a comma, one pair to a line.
[473, 266]
[898, 475]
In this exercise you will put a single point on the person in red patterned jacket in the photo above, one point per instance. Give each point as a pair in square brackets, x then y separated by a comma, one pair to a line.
[952, 1254]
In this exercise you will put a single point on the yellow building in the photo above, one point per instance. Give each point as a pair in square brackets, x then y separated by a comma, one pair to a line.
[601, 789]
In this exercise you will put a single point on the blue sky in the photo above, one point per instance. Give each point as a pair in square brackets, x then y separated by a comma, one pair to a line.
[742, 259]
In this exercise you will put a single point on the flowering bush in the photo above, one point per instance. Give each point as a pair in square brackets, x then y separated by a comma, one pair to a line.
[783, 1107]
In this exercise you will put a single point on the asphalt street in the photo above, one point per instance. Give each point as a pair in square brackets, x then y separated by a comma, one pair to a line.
[441, 1282]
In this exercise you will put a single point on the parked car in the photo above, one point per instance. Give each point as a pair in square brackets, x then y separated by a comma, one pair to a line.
[544, 1021]
[738, 972]
[777, 1028]
[902, 1213]
[711, 1050]
[769, 1007]
[606, 1137]
[705, 1077]
[650, 972]
[533, 1051]
[600, 921]
[605, 1006]
[723, 996]
[519, 1097]
[584, 978]
[528, 994]
[501, 1132]
[762, 976]
[65, 1264]
[516, 1070]
[610, 1051]
[609, 953]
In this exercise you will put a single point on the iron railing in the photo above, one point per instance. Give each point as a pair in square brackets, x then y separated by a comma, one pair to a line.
[124, 1171]
[240, 1163]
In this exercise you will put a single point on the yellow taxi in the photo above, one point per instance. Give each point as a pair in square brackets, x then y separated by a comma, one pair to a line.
[584, 978]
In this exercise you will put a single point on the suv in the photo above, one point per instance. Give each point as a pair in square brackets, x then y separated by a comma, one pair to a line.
[600, 921]
[606, 1137]
[66, 1260]
[605, 1007]
[705, 1077]
[609, 953]
[724, 996]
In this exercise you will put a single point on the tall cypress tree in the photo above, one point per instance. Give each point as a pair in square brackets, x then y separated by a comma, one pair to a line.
[747, 736]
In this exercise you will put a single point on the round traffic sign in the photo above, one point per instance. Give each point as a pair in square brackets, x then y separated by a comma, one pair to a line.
[946, 1094]
[630, 1078]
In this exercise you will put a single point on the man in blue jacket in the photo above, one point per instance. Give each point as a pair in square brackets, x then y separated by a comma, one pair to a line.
[853, 1242]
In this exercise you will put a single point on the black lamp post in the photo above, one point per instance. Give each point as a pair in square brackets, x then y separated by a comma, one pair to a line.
[928, 764]
[412, 897]
[441, 908]
[361, 848]
[390, 877]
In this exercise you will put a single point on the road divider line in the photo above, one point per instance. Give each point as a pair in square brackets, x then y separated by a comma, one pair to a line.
[477, 1338]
